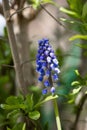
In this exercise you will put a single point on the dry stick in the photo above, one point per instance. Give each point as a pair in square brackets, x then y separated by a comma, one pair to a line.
[1, 9]
[57, 20]
[19, 11]
[22, 3]
[52, 15]
[13, 47]
[79, 109]
[9, 66]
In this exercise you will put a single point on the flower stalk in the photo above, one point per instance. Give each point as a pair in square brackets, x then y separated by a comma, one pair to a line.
[57, 115]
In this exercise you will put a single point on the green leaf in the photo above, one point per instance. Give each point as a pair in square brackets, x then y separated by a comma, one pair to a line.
[8, 128]
[4, 106]
[36, 3]
[18, 126]
[45, 100]
[49, 2]
[75, 91]
[76, 5]
[77, 72]
[14, 100]
[78, 36]
[29, 102]
[75, 83]
[12, 113]
[35, 115]
[86, 92]
[46, 126]
[12, 107]
[84, 46]
[3, 123]
[67, 20]
[24, 126]
[71, 101]
[84, 11]
[69, 12]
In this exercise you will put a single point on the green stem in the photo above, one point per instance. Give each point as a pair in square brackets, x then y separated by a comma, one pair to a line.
[57, 115]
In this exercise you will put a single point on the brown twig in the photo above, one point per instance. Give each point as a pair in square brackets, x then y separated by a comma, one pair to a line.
[18, 11]
[22, 3]
[79, 109]
[18, 3]
[52, 15]
[9, 66]
[21, 9]
[57, 20]
[1, 9]
[42, 6]
[13, 3]
[27, 61]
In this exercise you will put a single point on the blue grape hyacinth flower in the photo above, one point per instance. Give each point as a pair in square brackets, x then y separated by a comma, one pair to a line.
[47, 66]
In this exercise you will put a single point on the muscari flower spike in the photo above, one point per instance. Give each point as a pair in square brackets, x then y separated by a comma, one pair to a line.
[47, 66]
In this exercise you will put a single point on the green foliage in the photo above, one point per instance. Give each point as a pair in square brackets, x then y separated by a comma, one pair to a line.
[76, 5]
[36, 3]
[69, 12]
[77, 11]
[45, 100]
[6, 79]
[35, 115]
[29, 103]
[78, 20]
[78, 86]
[18, 126]
[6, 76]
[84, 11]
[17, 106]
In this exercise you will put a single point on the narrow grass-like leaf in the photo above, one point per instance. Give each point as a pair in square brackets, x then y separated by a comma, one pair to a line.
[45, 100]
[24, 127]
[72, 13]
[78, 36]
[74, 83]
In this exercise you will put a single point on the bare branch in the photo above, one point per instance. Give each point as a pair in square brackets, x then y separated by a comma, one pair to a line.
[27, 62]
[57, 20]
[18, 3]
[79, 109]
[18, 11]
[1, 9]
[22, 3]
[52, 16]
[13, 3]
[9, 66]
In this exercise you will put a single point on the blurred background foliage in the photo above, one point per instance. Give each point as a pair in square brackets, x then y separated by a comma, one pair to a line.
[72, 83]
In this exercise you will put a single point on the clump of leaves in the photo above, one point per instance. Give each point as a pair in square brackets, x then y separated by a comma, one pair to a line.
[78, 86]
[18, 106]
